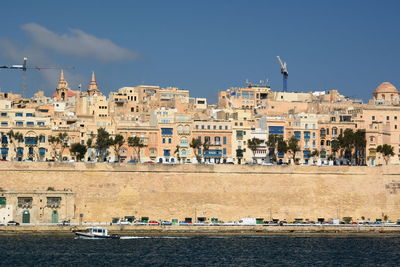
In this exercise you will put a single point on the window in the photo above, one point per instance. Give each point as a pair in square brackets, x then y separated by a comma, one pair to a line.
[25, 202]
[30, 123]
[217, 140]
[224, 140]
[167, 153]
[207, 139]
[4, 114]
[387, 118]
[224, 151]
[163, 140]
[297, 134]
[40, 123]
[42, 139]
[322, 132]
[395, 118]
[53, 202]
[19, 123]
[373, 118]
[18, 114]
[29, 114]
[226, 127]
[306, 135]
[4, 123]
[166, 131]
[220, 127]
[169, 140]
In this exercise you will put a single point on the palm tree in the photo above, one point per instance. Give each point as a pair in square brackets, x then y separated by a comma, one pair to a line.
[137, 145]
[196, 144]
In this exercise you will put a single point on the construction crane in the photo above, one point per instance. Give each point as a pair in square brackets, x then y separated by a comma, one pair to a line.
[24, 67]
[284, 72]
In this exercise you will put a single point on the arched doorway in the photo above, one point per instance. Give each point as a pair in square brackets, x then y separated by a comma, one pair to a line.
[54, 217]
[26, 217]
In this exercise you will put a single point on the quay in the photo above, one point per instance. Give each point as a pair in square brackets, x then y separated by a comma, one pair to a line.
[258, 230]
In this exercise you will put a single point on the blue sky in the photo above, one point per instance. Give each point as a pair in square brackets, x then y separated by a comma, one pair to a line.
[203, 46]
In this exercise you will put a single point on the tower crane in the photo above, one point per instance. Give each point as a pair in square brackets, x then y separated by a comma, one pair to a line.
[24, 67]
[284, 72]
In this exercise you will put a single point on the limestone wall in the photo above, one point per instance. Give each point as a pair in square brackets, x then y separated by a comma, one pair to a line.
[228, 192]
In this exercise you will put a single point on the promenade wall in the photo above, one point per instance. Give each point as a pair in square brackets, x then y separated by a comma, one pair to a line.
[227, 192]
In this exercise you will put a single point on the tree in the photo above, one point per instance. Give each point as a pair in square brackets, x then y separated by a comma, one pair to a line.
[103, 142]
[387, 151]
[58, 144]
[252, 144]
[90, 145]
[176, 152]
[272, 145]
[335, 147]
[206, 147]
[281, 146]
[293, 147]
[314, 155]
[15, 138]
[359, 142]
[352, 144]
[195, 144]
[78, 150]
[137, 145]
[117, 142]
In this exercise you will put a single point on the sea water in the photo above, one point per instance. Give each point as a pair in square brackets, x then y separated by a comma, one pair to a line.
[32, 250]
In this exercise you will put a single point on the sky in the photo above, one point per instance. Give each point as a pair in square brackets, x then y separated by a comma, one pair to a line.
[203, 46]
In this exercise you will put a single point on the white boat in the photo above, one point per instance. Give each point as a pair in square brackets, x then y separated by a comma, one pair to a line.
[95, 233]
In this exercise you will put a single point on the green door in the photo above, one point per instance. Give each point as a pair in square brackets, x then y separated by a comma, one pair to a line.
[54, 217]
[26, 217]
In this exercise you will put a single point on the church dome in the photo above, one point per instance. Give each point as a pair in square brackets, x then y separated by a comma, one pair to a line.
[386, 87]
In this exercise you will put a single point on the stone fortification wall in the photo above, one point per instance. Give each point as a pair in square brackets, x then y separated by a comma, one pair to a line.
[227, 192]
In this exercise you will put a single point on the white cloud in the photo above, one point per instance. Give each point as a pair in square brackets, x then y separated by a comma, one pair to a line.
[77, 43]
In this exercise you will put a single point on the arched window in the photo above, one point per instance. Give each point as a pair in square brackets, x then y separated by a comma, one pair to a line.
[180, 129]
[322, 142]
[322, 132]
[187, 129]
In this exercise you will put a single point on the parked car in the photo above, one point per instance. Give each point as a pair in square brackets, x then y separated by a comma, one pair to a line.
[154, 223]
[132, 161]
[12, 223]
[166, 223]
[185, 223]
[64, 223]
[150, 162]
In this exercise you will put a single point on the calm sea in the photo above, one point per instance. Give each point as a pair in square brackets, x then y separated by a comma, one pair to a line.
[201, 251]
